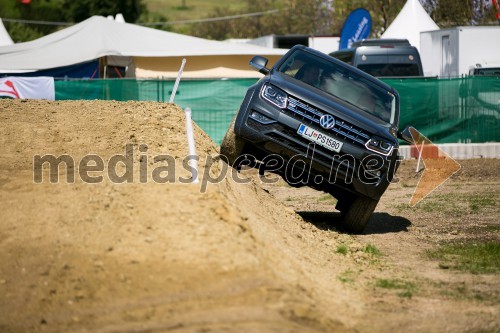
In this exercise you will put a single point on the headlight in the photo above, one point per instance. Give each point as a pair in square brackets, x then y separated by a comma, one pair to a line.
[380, 146]
[274, 95]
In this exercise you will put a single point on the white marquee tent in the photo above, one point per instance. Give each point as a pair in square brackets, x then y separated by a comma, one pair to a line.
[410, 22]
[155, 53]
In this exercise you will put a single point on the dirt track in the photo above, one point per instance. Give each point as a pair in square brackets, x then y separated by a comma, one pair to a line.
[152, 257]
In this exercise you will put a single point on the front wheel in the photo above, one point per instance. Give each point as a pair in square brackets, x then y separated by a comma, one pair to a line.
[357, 213]
[231, 146]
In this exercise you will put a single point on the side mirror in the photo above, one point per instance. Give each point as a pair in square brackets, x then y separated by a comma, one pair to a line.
[260, 63]
[406, 135]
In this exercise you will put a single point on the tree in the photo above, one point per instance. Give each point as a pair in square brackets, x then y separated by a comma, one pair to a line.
[308, 17]
[61, 11]
[43, 10]
[447, 13]
[288, 17]
[78, 11]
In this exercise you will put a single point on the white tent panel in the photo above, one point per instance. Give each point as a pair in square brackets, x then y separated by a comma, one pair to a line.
[4, 35]
[97, 37]
[410, 22]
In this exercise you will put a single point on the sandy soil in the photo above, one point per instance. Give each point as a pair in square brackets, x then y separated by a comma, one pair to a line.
[162, 254]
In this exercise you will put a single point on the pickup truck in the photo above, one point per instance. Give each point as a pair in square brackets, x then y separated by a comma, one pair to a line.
[317, 121]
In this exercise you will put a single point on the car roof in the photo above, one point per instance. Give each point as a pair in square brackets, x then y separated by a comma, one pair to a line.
[381, 42]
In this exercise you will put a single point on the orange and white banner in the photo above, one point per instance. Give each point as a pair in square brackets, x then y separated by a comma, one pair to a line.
[41, 87]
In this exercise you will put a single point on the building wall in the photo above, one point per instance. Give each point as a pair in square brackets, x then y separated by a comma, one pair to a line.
[478, 45]
[439, 53]
[235, 66]
[451, 52]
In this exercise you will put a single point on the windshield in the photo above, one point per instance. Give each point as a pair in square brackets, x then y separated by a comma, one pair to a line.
[390, 69]
[488, 71]
[341, 83]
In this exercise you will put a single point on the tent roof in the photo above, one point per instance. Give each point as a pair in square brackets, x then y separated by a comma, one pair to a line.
[4, 35]
[410, 22]
[98, 36]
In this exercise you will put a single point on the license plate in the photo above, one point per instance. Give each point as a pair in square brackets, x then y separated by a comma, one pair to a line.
[319, 138]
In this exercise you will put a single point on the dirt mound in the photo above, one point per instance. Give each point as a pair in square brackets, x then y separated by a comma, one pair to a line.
[104, 229]
[147, 252]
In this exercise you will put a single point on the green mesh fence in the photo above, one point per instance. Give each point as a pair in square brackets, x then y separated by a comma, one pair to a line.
[445, 110]
[463, 110]
[213, 102]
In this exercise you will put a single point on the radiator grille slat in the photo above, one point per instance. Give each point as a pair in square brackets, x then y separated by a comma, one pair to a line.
[342, 128]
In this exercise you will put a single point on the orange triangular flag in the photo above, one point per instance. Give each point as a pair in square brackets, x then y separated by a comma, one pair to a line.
[439, 166]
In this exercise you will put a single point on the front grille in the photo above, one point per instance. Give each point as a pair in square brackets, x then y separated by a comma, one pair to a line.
[310, 114]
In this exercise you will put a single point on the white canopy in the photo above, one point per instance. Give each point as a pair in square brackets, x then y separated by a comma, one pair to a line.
[4, 35]
[410, 22]
[97, 37]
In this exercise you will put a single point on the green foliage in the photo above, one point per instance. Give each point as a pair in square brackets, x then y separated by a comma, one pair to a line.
[156, 18]
[22, 33]
[9, 9]
[449, 13]
[61, 11]
[78, 11]
[43, 10]
[311, 16]
[307, 17]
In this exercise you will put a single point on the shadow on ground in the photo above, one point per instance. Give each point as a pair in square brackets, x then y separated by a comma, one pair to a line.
[380, 223]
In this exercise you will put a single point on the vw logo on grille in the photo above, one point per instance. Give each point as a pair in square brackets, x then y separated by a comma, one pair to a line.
[327, 121]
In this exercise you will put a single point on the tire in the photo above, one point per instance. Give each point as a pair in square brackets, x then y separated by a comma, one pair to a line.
[357, 213]
[231, 146]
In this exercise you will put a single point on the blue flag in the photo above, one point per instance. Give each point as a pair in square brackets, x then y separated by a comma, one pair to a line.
[357, 26]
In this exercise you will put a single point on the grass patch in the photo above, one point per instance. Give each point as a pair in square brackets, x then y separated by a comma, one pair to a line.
[327, 198]
[405, 289]
[342, 249]
[401, 207]
[182, 8]
[435, 205]
[347, 276]
[477, 203]
[462, 291]
[476, 258]
[459, 204]
[493, 227]
[407, 184]
[371, 249]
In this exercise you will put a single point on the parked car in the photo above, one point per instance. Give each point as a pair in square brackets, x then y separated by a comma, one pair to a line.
[383, 57]
[482, 89]
[485, 70]
[319, 122]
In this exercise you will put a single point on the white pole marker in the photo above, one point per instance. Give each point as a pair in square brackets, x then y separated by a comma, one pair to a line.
[176, 85]
[192, 150]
